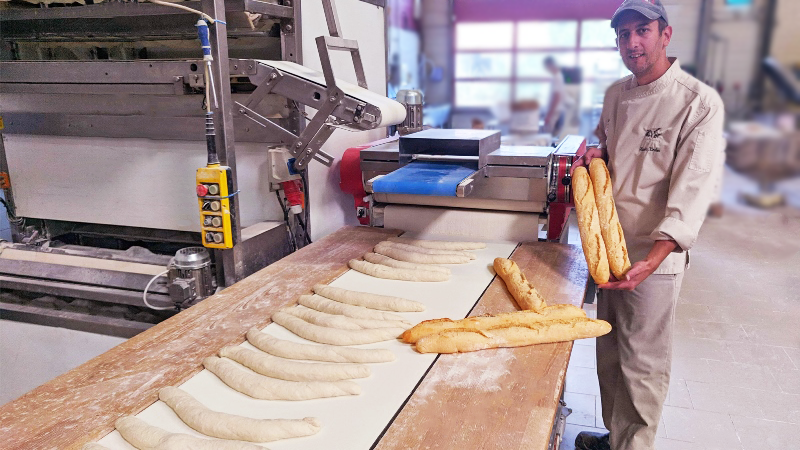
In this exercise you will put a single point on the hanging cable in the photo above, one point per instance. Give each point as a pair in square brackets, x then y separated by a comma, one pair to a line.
[186, 8]
[147, 288]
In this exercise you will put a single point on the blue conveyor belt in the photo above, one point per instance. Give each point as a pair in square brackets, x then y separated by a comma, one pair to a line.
[423, 178]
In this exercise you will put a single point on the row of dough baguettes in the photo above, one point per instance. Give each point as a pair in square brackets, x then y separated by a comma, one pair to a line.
[276, 375]
[334, 318]
[414, 260]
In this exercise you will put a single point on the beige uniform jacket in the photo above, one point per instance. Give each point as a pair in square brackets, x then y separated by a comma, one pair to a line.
[665, 148]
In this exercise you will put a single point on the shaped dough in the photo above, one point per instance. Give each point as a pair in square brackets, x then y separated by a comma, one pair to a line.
[390, 273]
[333, 336]
[265, 388]
[286, 369]
[323, 304]
[426, 251]
[375, 258]
[144, 436]
[93, 446]
[393, 251]
[317, 352]
[343, 322]
[229, 426]
[441, 245]
[373, 301]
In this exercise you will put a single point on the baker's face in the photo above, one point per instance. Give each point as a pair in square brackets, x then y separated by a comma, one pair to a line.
[640, 43]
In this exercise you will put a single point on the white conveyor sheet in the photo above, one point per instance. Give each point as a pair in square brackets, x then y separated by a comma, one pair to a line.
[351, 422]
[392, 112]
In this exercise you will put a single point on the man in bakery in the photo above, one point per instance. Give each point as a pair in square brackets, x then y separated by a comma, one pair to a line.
[661, 134]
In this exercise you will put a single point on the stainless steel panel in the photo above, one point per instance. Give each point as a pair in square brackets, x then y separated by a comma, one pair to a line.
[515, 171]
[456, 202]
[106, 10]
[520, 156]
[94, 293]
[169, 128]
[111, 326]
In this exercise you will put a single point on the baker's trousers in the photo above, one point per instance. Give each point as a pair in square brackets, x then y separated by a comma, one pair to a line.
[635, 358]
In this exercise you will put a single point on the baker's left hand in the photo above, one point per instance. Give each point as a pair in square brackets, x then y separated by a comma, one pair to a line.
[638, 272]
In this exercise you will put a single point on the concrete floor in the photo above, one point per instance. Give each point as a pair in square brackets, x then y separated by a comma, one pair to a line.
[736, 354]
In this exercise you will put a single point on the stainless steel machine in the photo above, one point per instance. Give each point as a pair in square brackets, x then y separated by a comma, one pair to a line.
[105, 108]
[466, 170]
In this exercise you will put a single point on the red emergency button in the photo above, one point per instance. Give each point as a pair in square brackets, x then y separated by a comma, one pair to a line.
[202, 190]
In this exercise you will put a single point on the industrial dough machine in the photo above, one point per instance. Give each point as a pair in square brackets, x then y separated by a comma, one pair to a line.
[464, 170]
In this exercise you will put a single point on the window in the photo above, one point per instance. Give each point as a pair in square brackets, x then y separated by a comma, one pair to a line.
[503, 62]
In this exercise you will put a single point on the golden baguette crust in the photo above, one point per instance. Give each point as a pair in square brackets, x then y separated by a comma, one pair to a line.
[527, 297]
[427, 327]
[460, 340]
[610, 227]
[589, 226]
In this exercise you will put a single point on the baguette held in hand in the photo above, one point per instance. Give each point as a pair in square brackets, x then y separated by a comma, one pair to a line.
[459, 340]
[594, 247]
[488, 322]
[610, 227]
[527, 297]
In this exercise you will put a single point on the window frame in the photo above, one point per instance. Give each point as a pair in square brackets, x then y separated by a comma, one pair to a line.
[515, 51]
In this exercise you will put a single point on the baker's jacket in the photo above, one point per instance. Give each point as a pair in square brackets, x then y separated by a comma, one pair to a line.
[665, 151]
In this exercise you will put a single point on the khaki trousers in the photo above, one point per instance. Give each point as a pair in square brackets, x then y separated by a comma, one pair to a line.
[634, 359]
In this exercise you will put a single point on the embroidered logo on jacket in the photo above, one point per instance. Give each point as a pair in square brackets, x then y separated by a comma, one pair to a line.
[652, 140]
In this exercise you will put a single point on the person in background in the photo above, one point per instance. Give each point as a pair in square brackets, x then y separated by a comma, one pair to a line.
[661, 134]
[559, 99]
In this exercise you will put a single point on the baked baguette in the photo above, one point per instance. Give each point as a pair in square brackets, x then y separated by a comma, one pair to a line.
[610, 228]
[487, 322]
[460, 340]
[594, 249]
[527, 297]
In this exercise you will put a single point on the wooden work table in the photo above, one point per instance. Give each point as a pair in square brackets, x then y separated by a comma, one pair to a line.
[82, 405]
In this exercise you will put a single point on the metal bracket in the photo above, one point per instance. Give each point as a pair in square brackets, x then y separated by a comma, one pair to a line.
[307, 145]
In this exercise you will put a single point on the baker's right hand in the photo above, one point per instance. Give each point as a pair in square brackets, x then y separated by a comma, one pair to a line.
[587, 157]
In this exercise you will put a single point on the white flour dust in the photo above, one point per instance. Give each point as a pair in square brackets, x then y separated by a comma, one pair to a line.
[478, 371]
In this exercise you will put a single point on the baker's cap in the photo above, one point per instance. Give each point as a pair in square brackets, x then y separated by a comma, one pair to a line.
[652, 9]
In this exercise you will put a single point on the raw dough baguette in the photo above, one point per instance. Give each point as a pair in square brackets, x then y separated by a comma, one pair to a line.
[390, 273]
[426, 251]
[589, 226]
[343, 322]
[325, 305]
[230, 426]
[419, 258]
[376, 258]
[286, 369]
[367, 300]
[93, 446]
[610, 228]
[325, 335]
[266, 388]
[441, 245]
[144, 436]
[558, 330]
[317, 352]
[527, 297]
[487, 322]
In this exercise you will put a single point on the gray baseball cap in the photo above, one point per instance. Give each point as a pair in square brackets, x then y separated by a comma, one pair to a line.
[652, 9]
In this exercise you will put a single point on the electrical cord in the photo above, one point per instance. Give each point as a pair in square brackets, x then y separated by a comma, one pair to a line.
[12, 218]
[292, 240]
[186, 8]
[144, 294]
